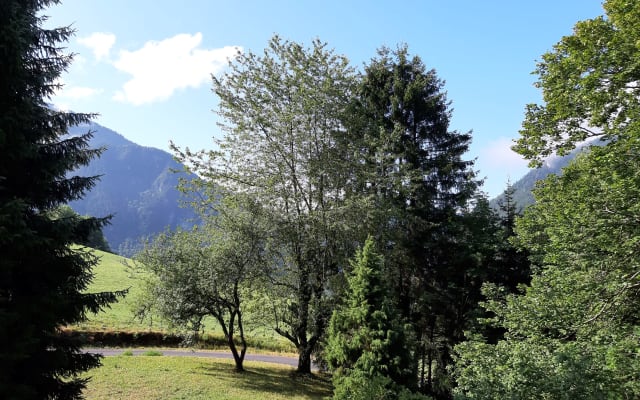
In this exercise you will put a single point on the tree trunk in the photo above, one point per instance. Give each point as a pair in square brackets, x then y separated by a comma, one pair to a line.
[304, 360]
[238, 358]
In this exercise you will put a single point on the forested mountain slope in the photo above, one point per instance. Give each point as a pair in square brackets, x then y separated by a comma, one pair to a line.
[137, 187]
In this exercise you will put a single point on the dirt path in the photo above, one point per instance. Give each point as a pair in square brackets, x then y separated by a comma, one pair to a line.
[283, 360]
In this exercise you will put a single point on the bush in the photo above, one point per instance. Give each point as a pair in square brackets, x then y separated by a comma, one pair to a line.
[359, 386]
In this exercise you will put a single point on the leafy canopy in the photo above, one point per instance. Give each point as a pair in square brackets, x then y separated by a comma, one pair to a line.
[590, 84]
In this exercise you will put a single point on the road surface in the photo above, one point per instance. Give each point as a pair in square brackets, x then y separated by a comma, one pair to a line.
[283, 360]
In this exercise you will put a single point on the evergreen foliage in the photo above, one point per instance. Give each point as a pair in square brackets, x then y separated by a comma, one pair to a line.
[412, 168]
[42, 278]
[367, 337]
[95, 239]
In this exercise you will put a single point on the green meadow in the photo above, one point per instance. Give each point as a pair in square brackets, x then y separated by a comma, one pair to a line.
[113, 273]
[154, 376]
[161, 377]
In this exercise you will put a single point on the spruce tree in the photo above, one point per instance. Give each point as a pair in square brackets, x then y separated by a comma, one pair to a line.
[413, 168]
[42, 278]
[367, 341]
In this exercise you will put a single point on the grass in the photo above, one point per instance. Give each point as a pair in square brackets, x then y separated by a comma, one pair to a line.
[144, 377]
[152, 353]
[154, 376]
[112, 274]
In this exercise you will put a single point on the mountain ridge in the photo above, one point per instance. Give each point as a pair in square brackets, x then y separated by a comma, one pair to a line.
[136, 186]
[523, 194]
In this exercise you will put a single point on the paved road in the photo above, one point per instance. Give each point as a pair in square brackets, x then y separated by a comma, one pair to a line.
[283, 360]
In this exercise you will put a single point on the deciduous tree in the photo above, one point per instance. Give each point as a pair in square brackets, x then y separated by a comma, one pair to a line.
[283, 114]
[574, 333]
[207, 271]
[589, 82]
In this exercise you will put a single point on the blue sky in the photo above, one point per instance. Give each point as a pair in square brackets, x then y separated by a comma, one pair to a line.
[145, 65]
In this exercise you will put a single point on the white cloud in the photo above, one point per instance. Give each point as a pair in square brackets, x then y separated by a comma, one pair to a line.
[100, 43]
[158, 69]
[498, 164]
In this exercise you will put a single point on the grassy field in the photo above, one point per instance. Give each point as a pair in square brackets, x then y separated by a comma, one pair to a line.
[112, 274]
[162, 377]
[159, 377]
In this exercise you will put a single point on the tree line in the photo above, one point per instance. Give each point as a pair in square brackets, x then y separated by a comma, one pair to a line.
[339, 210]
[316, 158]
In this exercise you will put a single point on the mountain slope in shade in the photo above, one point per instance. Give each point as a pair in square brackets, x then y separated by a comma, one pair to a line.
[137, 187]
[524, 186]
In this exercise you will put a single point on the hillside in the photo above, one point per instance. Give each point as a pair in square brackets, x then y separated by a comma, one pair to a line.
[137, 187]
[524, 186]
[110, 274]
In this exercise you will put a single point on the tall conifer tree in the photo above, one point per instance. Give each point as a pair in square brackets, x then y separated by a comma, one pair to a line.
[42, 278]
[413, 168]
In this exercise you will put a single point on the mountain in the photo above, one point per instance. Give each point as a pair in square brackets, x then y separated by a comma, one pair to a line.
[137, 186]
[523, 195]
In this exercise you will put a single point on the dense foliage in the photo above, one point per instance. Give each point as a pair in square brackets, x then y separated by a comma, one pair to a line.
[329, 157]
[589, 84]
[207, 271]
[575, 331]
[95, 239]
[543, 305]
[338, 207]
[42, 277]
[283, 113]
[367, 337]
[419, 185]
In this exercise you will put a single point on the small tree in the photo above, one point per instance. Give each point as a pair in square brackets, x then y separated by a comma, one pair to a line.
[206, 272]
[367, 339]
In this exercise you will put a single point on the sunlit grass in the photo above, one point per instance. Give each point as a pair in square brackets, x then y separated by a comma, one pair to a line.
[112, 274]
[144, 377]
[109, 275]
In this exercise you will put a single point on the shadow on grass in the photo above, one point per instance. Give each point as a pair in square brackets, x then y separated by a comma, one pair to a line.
[284, 382]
